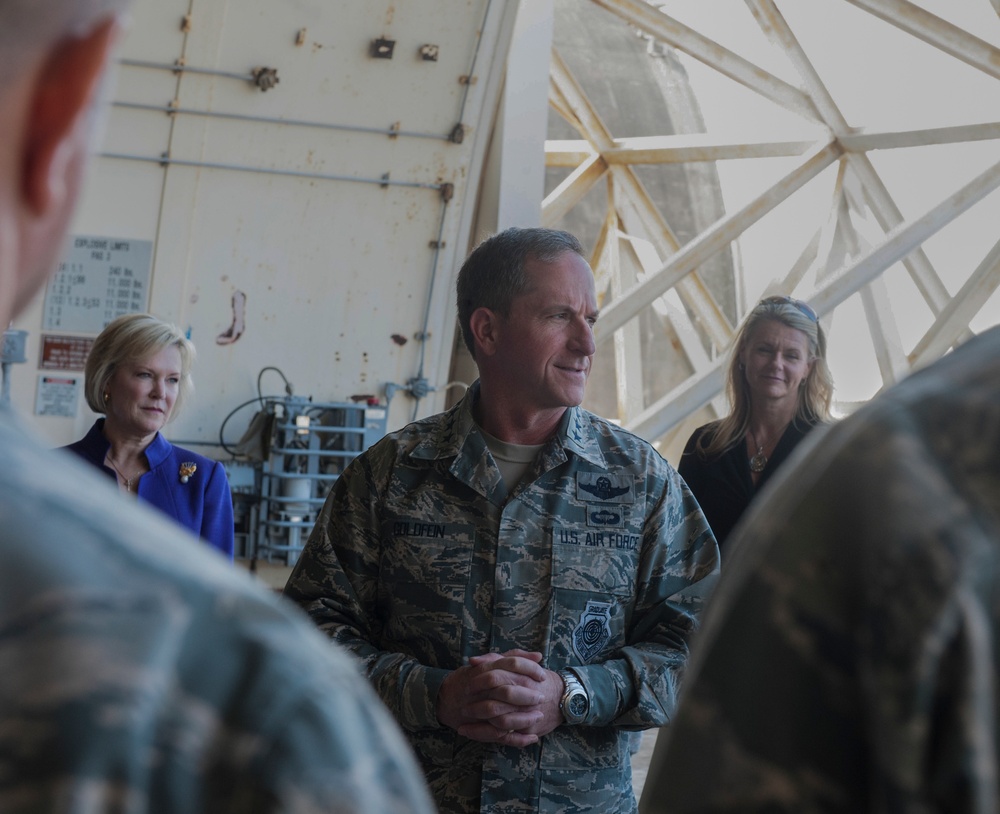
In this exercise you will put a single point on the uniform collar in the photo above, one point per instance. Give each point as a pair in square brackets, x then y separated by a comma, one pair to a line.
[457, 435]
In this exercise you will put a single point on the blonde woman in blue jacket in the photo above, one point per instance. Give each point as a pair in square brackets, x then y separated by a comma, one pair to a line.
[138, 374]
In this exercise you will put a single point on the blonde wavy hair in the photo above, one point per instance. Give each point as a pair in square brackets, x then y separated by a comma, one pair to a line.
[816, 392]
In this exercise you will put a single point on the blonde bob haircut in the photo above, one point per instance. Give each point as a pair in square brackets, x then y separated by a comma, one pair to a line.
[815, 394]
[134, 338]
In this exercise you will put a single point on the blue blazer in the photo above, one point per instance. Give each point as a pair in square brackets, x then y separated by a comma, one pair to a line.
[204, 504]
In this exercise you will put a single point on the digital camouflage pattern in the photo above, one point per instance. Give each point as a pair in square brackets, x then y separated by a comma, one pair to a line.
[600, 559]
[849, 659]
[140, 672]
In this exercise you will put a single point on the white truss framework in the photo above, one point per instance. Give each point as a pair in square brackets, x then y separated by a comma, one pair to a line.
[864, 235]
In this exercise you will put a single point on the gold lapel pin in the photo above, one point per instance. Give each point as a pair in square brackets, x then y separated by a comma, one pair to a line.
[187, 470]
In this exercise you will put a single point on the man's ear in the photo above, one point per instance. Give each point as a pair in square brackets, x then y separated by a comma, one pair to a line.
[64, 90]
[484, 324]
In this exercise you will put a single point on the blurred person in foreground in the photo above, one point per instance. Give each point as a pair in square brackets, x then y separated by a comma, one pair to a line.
[138, 671]
[519, 576]
[138, 374]
[849, 658]
[779, 388]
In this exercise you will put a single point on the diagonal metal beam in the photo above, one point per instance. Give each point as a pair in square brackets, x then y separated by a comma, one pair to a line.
[585, 117]
[831, 245]
[892, 362]
[923, 25]
[674, 149]
[628, 342]
[883, 206]
[713, 239]
[860, 141]
[903, 240]
[643, 220]
[954, 320]
[601, 257]
[676, 405]
[802, 263]
[656, 23]
[561, 106]
[577, 184]
[875, 301]
[635, 205]
[692, 147]
[679, 403]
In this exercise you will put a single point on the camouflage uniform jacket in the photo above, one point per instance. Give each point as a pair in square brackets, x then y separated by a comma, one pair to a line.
[140, 672]
[849, 659]
[599, 559]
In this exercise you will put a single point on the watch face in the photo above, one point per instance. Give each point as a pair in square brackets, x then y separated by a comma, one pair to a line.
[577, 705]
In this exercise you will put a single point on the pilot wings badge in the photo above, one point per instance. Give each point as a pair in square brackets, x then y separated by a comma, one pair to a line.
[605, 488]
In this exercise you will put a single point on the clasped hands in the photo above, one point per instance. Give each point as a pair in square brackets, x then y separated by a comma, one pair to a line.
[504, 698]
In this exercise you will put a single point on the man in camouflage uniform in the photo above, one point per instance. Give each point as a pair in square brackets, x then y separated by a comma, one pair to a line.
[849, 658]
[138, 672]
[519, 576]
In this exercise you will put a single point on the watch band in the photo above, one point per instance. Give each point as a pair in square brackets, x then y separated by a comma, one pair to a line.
[575, 702]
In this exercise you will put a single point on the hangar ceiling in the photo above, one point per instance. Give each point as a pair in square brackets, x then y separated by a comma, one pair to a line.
[867, 134]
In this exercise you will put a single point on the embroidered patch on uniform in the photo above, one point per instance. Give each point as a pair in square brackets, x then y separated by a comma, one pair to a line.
[593, 631]
[604, 516]
[429, 530]
[596, 488]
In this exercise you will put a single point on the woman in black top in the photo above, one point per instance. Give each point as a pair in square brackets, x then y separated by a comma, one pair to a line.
[779, 387]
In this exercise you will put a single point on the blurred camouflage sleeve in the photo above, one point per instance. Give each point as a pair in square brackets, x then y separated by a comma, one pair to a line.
[848, 659]
[336, 748]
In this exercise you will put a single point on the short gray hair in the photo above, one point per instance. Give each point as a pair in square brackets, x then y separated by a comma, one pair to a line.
[493, 275]
[133, 338]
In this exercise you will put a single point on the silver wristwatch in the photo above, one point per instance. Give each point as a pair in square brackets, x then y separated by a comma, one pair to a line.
[575, 702]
